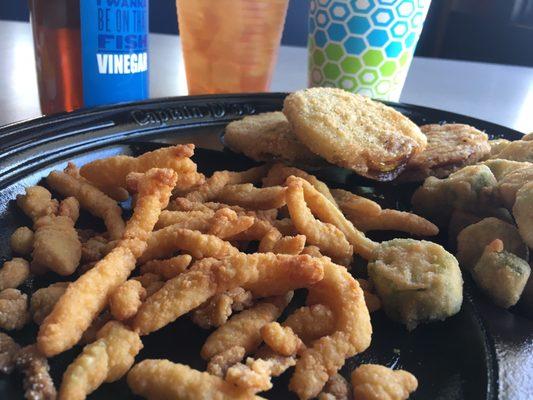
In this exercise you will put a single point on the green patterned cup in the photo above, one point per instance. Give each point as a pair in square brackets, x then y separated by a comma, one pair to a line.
[364, 46]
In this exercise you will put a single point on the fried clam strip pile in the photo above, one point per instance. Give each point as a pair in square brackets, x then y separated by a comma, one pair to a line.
[190, 257]
[110, 174]
[264, 274]
[86, 297]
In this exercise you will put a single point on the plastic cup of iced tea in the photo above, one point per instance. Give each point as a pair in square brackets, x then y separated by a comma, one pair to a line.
[230, 46]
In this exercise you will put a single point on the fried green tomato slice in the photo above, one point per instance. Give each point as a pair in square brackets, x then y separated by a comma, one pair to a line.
[417, 281]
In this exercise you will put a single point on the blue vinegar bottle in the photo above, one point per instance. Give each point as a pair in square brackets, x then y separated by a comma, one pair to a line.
[114, 41]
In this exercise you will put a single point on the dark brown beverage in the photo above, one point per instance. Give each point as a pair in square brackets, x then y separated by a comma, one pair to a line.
[57, 43]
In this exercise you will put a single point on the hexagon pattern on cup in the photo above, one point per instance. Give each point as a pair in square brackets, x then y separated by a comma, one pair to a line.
[364, 46]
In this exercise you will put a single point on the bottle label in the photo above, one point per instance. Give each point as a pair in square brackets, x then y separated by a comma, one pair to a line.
[114, 37]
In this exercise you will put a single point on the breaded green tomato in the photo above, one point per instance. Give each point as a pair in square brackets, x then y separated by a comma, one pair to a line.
[466, 189]
[416, 280]
[501, 275]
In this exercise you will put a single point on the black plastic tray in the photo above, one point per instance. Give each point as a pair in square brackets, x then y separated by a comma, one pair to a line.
[481, 353]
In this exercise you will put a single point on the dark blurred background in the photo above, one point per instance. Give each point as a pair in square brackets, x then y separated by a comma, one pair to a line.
[497, 31]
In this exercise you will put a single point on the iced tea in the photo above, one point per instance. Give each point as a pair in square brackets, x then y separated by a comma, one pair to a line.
[230, 46]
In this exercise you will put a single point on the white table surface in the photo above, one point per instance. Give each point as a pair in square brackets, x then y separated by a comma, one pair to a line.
[497, 93]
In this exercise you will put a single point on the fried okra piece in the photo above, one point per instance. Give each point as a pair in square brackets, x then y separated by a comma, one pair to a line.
[501, 275]
[500, 168]
[523, 213]
[417, 281]
[472, 240]
[511, 183]
[467, 189]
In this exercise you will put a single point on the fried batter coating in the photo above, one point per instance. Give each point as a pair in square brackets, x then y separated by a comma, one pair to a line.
[244, 329]
[21, 241]
[393, 220]
[466, 189]
[109, 173]
[312, 251]
[216, 183]
[472, 240]
[218, 309]
[449, 148]
[511, 183]
[42, 301]
[326, 236]
[164, 242]
[373, 303]
[106, 360]
[126, 299]
[500, 168]
[497, 145]
[69, 207]
[162, 379]
[417, 281]
[353, 131]
[153, 189]
[151, 282]
[256, 373]
[523, 212]
[519, 150]
[352, 331]
[266, 137]
[278, 174]
[13, 309]
[274, 242]
[376, 382]
[169, 268]
[37, 383]
[194, 220]
[8, 353]
[37, 202]
[182, 204]
[85, 298]
[257, 231]
[501, 275]
[248, 196]
[311, 322]
[330, 214]
[91, 199]
[94, 249]
[367, 215]
[347, 201]
[219, 364]
[226, 223]
[336, 388]
[86, 373]
[281, 339]
[56, 245]
[265, 274]
[13, 273]
[98, 323]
